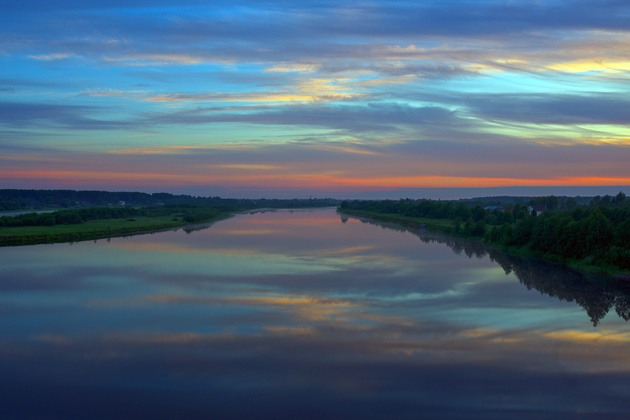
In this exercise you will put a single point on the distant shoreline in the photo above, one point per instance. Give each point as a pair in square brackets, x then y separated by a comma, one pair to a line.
[110, 228]
[94, 230]
[441, 226]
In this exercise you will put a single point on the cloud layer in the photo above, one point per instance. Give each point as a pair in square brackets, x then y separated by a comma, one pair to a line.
[315, 96]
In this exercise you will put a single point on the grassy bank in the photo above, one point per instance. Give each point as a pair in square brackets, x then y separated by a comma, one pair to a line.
[92, 229]
[446, 226]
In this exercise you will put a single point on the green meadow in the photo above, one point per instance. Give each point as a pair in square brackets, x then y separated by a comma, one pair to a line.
[91, 229]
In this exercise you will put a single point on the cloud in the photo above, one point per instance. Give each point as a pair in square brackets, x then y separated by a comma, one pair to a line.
[312, 166]
[51, 57]
[305, 35]
[380, 117]
[317, 93]
[110, 92]
[30, 115]
[563, 109]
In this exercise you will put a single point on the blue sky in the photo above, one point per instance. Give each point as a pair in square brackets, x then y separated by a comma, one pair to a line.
[313, 98]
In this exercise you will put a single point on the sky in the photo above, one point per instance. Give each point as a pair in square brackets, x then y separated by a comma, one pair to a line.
[315, 98]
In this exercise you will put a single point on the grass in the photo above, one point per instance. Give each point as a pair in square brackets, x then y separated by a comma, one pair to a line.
[93, 229]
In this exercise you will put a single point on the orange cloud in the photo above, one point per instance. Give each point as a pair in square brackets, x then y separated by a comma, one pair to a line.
[292, 178]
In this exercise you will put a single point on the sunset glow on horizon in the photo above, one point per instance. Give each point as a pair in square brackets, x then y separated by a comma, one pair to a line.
[276, 98]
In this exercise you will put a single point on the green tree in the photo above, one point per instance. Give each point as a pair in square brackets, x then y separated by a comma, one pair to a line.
[600, 231]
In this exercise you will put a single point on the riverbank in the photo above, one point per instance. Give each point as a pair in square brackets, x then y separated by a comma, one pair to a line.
[95, 229]
[437, 225]
[445, 226]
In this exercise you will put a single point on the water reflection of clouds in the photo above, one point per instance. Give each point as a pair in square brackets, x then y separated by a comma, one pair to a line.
[347, 324]
[19, 280]
[169, 248]
[360, 330]
[418, 344]
[294, 221]
[247, 232]
[300, 308]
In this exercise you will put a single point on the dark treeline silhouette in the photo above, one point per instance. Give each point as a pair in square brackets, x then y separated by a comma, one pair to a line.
[15, 199]
[551, 202]
[597, 294]
[188, 212]
[69, 216]
[154, 212]
[595, 234]
[82, 206]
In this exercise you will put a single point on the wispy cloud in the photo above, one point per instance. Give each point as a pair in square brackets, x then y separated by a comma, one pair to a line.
[350, 95]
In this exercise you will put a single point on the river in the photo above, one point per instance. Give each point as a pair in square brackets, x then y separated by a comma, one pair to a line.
[305, 314]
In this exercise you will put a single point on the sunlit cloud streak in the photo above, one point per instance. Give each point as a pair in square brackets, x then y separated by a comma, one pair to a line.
[326, 94]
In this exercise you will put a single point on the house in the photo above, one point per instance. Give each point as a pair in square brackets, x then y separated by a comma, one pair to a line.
[494, 208]
[536, 210]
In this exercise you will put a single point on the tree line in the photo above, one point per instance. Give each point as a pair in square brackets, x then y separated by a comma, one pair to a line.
[71, 216]
[20, 199]
[191, 211]
[596, 294]
[595, 234]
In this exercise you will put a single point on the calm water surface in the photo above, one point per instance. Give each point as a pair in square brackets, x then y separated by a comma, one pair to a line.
[305, 314]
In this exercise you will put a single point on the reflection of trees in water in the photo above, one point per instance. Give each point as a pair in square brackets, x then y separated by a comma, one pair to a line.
[597, 294]
[191, 229]
[196, 228]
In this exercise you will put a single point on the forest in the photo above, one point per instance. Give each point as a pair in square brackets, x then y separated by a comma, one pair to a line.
[188, 213]
[17, 199]
[48, 216]
[591, 235]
